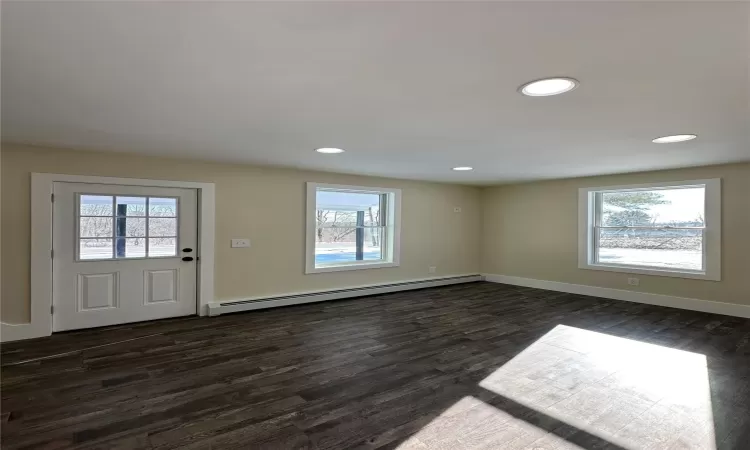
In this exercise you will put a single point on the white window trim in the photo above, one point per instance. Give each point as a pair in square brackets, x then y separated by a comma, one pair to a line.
[41, 245]
[711, 244]
[393, 226]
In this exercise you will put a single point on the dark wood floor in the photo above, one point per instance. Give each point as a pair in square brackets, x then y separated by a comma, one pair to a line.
[469, 366]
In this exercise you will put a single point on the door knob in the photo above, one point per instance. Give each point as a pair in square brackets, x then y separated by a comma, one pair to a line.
[187, 250]
[187, 258]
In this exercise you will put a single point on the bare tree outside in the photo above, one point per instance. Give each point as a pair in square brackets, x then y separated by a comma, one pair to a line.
[335, 226]
[374, 219]
[634, 225]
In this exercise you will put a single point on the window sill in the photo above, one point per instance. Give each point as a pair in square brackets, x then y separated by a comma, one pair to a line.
[346, 267]
[652, 271]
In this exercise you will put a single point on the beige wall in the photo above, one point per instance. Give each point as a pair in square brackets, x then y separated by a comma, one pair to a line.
[530, 230]
[265, 204]
[527, 230]
[1, 229]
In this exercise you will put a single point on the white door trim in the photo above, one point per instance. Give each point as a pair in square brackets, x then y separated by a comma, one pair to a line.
[41, 246]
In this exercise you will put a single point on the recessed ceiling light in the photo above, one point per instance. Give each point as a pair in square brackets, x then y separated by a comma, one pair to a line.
[674, 138]
[548, 86]
[329, 150]
[463, 168]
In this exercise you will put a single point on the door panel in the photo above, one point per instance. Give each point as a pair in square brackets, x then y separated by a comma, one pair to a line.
[160, 286]
[97, 291]
[117, 254]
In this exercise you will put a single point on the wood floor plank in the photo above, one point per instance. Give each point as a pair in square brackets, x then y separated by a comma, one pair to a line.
[478, 365]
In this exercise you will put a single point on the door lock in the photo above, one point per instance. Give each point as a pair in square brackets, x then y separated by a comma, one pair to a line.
[187, 258]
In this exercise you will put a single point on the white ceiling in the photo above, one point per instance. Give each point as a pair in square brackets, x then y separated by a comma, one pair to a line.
[408, 89]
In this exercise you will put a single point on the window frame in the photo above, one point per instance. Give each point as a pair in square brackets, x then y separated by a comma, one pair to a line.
[78, 238]
[588, 220]
[391, 248]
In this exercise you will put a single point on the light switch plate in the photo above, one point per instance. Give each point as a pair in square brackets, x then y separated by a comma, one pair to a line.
[240, 243]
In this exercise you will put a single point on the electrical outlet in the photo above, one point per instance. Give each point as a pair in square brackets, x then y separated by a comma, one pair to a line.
[456, 209]
[240, 243]
[432, 269]
[633, 281]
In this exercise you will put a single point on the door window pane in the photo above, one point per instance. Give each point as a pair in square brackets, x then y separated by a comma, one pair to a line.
[159, 247]
[162, 227]
[130, 248]
[96, 205]
[162, 207]
[130, 227]
[95, 249]
[128, 223]
[95, 227]
[131, 206]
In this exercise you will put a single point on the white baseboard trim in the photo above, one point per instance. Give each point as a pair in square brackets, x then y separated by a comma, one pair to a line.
[39, 328]
[218, 308]
[16, 332]
[693, 304]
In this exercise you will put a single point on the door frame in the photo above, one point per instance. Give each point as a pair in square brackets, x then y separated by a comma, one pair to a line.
[41, 241]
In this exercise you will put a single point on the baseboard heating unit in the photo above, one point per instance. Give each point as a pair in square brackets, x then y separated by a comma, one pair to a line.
[216, 309]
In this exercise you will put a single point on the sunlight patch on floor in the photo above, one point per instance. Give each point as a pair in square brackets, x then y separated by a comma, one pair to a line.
[631, 393]
[575, 388]
[471, 423]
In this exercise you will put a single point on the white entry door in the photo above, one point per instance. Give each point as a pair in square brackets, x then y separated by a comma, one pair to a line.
[122, 254]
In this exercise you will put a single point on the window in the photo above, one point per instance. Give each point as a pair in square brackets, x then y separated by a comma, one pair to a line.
[116, 227]
[668, 229]
[351, 227]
